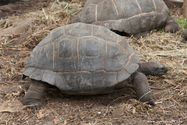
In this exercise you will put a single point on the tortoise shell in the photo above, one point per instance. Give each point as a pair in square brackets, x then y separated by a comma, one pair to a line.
[82, 59]
[129, 16]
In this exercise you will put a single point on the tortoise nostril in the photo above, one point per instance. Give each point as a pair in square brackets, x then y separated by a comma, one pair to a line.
[163, 69]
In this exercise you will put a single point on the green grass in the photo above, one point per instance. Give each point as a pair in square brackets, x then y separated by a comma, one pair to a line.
[182, 22]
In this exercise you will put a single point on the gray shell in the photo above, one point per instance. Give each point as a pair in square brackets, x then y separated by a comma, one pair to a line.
[82, 59]
[130, 16]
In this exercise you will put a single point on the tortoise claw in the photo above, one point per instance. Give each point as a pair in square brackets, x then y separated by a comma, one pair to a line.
[151, 102]
[36, 106]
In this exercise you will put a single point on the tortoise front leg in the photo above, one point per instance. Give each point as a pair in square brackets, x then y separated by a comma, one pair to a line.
[34, 94]
[152, 68]
[141, 87]
[171, 25]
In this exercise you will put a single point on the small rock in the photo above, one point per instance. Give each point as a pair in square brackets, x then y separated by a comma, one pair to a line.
[98, 113]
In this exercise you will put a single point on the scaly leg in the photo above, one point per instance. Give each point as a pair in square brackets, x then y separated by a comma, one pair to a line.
[141, 86]
[34, 94]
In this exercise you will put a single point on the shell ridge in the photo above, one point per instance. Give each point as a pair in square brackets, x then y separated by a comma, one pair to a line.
[115, 8]
[154, 5]
[139, 15]
[24, 72]
[78, 56]
[96, 13]
[53, 55]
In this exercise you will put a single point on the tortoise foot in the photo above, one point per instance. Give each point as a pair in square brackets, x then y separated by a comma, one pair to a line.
[172, 28]
[34, 94]
[171, 25]
[33, 105]
[36, 107]
[151, 102]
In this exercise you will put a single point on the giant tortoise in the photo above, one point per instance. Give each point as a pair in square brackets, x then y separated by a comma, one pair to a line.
[133, 17]
[85, 59]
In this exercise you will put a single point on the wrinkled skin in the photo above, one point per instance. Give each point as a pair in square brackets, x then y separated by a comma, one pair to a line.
[141, 87]
[138, 79]
[152, 68]
[34, 94]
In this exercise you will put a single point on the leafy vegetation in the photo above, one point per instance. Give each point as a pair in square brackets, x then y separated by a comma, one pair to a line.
[182, 22]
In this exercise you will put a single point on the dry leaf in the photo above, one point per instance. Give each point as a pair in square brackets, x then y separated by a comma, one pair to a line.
[133, 110]
[56, 121]
[40, 114]
[65, 122]
[74, 1]
[170, 82]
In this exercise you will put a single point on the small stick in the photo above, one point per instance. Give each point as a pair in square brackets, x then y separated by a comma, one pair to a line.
[46, 16]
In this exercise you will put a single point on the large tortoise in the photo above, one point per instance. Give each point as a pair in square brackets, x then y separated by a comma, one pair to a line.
[134, 17]
[87, 59]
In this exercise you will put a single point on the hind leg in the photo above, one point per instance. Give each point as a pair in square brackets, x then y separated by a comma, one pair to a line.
[34, 94]
[171, 25]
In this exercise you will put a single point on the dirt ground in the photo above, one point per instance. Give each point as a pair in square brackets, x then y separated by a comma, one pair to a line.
[21, 31]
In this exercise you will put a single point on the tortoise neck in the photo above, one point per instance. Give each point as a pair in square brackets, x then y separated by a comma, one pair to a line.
[144, 68]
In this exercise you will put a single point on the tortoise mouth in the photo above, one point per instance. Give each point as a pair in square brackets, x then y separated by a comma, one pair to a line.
[162, 70]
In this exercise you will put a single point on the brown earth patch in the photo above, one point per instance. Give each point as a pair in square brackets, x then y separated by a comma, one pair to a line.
[20, 7]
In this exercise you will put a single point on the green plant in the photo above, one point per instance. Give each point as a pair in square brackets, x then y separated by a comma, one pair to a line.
[182, 22]
[40, 16]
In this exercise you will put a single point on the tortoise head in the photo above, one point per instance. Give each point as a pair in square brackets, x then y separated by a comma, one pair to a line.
[158, 69]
